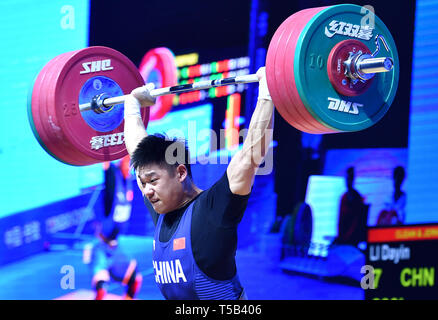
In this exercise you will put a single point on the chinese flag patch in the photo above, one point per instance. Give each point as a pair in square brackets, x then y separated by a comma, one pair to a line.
[179, 243]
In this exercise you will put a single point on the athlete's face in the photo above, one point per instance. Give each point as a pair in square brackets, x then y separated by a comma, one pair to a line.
[162, 188]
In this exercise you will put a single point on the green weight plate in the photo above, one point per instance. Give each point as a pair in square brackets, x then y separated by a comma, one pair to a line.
[326, 29]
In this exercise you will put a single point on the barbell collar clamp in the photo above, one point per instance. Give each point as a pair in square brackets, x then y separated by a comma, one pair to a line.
[374, 65]
[97, 104]
[363, 67]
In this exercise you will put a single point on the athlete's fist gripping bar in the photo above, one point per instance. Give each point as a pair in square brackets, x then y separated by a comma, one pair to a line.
[139, 97]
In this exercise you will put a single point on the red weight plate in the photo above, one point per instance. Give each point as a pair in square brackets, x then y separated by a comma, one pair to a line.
[34, 115]
[273, 73]
[59, 146]
[65, 132]
[45, 121]
[158, 66]
[40, 119]
[291, 91]
[280, 73]
[276, 59]
[336, 69]
[289, 69]
[83, 65]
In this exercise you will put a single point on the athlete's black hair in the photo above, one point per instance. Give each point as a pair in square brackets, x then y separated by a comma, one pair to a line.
[161, 150]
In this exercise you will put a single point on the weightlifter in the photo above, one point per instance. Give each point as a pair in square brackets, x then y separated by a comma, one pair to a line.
[195, 237]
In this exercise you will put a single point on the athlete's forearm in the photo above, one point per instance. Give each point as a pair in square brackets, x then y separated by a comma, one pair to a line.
[259, 135]
[243, 166]
[134, 131]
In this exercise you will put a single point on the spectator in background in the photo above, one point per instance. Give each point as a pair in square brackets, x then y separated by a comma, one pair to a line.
[352, 215]
[105, 255]
[394, 212]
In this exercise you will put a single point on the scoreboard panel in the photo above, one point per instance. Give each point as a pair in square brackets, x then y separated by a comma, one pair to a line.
[403, 261]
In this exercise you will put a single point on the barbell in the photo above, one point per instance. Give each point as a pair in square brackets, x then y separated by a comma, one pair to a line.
[325, 71]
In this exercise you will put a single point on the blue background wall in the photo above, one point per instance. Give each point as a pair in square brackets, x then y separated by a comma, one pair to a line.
[32, 34]
[422, 204]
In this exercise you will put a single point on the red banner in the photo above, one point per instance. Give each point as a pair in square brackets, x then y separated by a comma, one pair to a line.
[403, 233]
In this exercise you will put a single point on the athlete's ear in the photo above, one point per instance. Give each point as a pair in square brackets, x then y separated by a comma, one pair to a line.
[181, 172]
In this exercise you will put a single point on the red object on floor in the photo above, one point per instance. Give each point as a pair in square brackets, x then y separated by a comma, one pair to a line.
[87, 295]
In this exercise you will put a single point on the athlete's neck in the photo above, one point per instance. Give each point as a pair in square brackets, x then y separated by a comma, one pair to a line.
[190, 192]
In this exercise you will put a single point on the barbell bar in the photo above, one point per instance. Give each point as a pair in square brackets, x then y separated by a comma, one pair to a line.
[322, 73]
[200, 85]
[368, 66]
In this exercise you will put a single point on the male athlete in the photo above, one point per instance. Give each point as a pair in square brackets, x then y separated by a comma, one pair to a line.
[195, 236]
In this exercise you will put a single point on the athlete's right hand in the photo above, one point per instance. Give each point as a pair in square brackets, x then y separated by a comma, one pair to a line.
[139, 97]
[263, 85]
